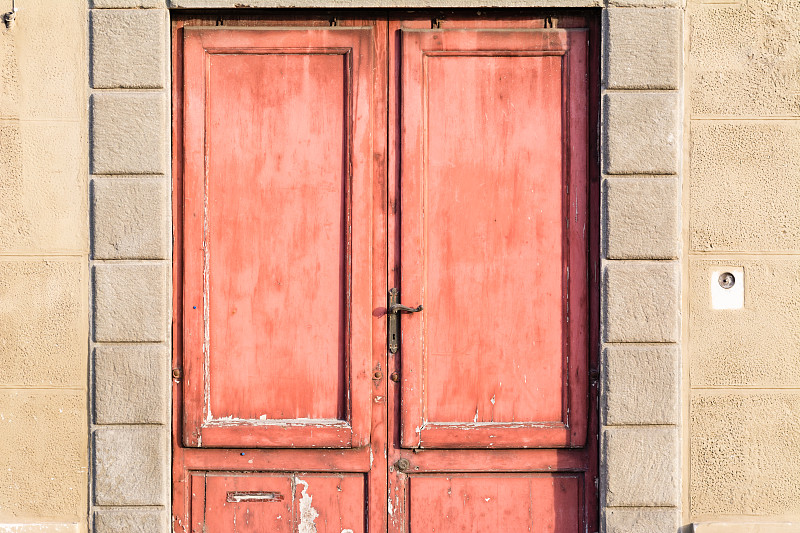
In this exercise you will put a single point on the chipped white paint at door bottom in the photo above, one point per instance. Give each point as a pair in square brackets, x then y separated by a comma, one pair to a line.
[307, 513]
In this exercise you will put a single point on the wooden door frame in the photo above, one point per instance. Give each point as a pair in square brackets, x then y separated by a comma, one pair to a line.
[188, 461]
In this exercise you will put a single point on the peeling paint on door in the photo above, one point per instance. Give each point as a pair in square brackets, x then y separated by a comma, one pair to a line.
[307, 513]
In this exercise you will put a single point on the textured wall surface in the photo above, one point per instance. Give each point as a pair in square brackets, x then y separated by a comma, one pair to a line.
[743, 84]
[44, 243]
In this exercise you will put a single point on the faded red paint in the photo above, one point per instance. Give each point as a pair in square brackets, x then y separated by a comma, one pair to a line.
[544, 503]
[307, 503]
[306, 187]
[277, 221]
[493, 220]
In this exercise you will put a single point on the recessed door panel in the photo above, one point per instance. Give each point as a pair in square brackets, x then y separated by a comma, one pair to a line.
[493, 238]
[277, 252]
[281, 502]
[544, 503]
[277, 225]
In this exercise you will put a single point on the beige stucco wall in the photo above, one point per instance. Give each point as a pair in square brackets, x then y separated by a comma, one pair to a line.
[742, 209]
[44, 243]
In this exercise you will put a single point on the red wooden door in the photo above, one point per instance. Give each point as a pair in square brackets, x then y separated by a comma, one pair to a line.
[323, 161]
[493, 221]
[277, 224]
[490, 412]
[281, 139]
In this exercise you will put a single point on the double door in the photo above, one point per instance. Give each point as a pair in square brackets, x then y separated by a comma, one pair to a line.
[383, 274]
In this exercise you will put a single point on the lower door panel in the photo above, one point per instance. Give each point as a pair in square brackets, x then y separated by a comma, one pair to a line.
[280, 502]
[545, 503]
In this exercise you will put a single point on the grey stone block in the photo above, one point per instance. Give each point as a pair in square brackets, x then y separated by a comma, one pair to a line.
[641, 385]
[122, 520]
[129, 218]
[643, 48]
[128, 133]
[640, 520]
[131, 384]
[130, 465]
[130, 302]
[641, 466]
[128, 48]
[641, 301]
[642, 218]
[642, 133]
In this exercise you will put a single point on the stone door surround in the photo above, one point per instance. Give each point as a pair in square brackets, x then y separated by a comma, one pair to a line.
[131, 257]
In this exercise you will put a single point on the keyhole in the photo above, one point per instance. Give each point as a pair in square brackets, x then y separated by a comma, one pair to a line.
[727, 280]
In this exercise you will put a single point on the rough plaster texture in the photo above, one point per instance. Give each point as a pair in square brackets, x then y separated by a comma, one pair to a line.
[644, 3]
[43, 274]
[128, 48]
[641, 133]
[641, 520]
[643, 48]
[756, 346]
[130, 466]
[42, 200]
[129, 218]
[44, 60]
[43, 197]
[742, 175]
[42, 455]
[41, 528]
[744, 57]
[641, 301]
[641, 385]
[42, 323]
[129, 133]
[746, 527]
[130, 521]
[642, 219]
[743, 89]
[129, 384]
[745, 453]
[129, 302]
[641, 466]
[14, 220]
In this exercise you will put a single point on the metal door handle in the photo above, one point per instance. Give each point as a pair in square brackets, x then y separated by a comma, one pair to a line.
[397, 308]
